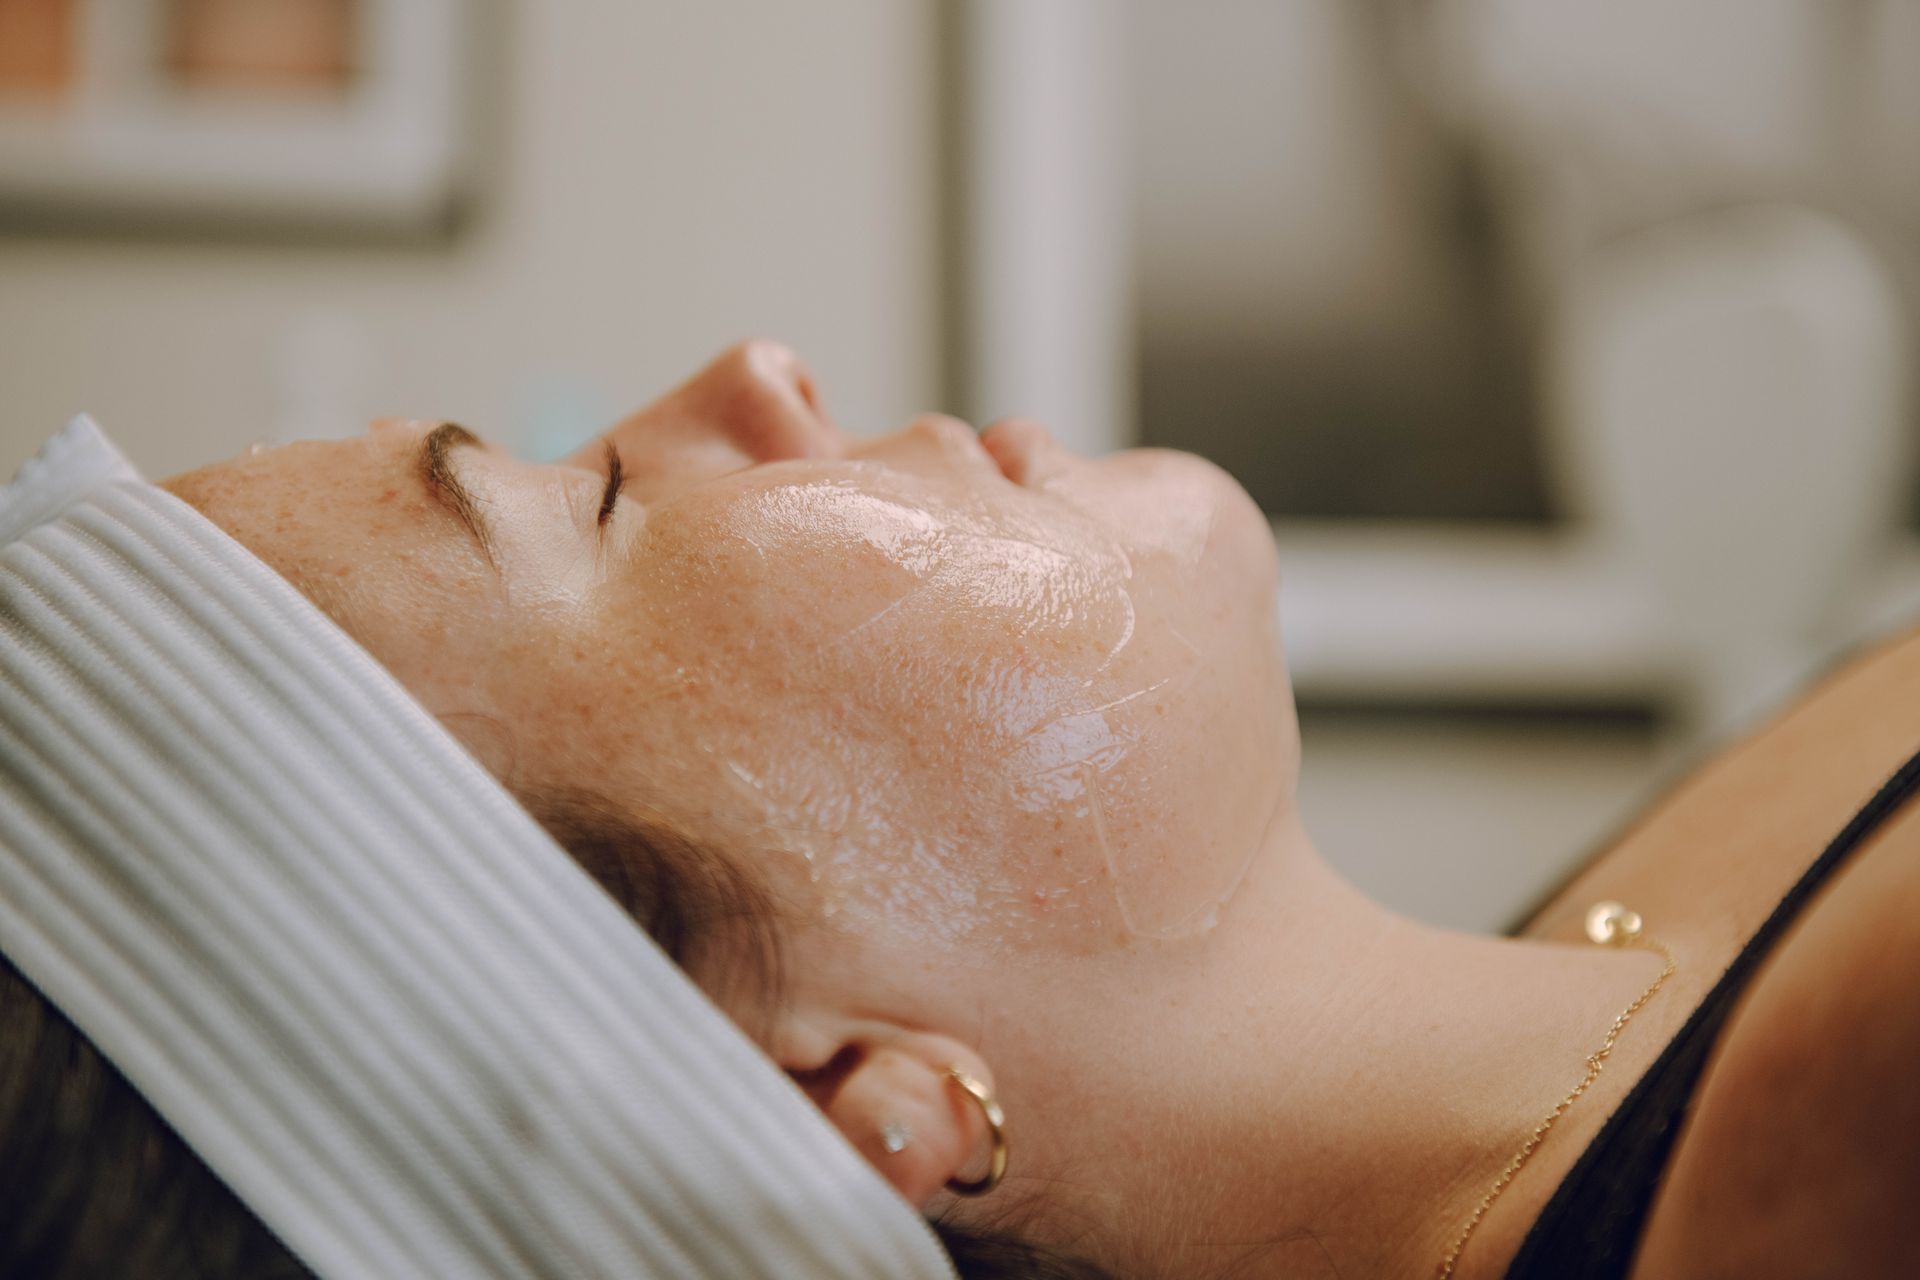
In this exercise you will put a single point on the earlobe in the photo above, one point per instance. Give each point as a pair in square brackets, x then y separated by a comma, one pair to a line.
[898, 1097]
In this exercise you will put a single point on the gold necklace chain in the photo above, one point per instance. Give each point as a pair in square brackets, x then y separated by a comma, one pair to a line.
[1610, 925]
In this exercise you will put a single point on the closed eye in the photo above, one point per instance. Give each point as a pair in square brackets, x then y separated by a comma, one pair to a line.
[616, 480]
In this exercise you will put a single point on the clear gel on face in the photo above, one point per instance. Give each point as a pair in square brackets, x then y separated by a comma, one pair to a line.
[969, 732]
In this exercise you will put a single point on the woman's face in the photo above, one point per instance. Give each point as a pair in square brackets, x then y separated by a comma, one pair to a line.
[955, 691]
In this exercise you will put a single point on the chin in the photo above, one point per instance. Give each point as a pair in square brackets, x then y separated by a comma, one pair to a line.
[1202, 505]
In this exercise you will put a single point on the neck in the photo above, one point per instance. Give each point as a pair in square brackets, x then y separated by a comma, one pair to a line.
[1351, 1082]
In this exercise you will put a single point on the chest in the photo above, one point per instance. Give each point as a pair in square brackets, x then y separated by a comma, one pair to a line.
[1796, 1156]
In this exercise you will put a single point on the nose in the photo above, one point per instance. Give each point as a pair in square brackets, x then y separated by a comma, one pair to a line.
[755, 402]
[762, 395]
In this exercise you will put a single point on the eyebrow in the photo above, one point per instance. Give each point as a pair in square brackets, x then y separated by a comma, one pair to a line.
[436, 469]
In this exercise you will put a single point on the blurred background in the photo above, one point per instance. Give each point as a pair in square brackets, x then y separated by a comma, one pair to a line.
[1569, 346]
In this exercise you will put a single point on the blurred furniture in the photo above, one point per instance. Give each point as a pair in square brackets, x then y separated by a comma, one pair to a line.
[1727, 405]
[1726, 409]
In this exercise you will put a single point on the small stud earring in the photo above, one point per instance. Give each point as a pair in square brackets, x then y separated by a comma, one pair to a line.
[894, 1136]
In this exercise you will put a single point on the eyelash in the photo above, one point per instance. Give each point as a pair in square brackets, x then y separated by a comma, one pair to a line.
[616, 480]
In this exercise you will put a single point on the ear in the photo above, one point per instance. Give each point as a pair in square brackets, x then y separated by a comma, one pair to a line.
[874, 1080]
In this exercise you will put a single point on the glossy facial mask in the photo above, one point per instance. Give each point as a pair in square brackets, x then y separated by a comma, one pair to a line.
[985, 741]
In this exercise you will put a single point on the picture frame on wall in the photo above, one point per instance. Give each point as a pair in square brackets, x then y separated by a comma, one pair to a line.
[236, 116]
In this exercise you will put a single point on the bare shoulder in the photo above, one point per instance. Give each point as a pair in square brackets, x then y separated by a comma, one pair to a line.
[1708, 861]
[1802, 1153]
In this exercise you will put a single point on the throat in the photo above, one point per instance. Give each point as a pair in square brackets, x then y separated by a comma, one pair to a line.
[1416, 1068]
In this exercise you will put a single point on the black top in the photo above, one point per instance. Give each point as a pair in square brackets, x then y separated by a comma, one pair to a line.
[1593, 1223]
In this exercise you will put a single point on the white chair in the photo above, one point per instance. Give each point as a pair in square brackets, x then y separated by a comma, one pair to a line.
[1727, 412]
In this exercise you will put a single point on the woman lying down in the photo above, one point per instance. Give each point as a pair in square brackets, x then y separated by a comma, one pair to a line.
[958, 772]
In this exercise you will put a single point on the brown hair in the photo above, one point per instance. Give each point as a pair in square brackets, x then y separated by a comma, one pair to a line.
[96, 1184]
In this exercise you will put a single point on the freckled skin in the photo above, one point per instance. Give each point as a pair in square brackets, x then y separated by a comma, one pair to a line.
[983, 714]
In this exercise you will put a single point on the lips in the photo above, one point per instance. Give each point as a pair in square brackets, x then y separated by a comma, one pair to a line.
[1008, 465]
[1024, 450]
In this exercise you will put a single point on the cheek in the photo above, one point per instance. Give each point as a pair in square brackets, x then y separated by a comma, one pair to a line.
[975, 736]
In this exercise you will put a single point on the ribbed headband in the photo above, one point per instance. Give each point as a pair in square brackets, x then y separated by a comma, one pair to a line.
[335, 955]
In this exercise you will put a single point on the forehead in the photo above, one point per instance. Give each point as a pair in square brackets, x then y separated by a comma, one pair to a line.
[347, 522]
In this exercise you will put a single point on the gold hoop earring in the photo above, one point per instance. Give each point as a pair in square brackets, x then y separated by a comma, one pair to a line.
[996, 1124]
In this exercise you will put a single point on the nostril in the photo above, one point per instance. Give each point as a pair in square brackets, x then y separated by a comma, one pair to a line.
[803, 383]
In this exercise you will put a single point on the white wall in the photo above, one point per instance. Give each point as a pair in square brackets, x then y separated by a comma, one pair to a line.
[673, 176]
